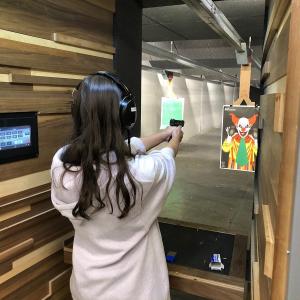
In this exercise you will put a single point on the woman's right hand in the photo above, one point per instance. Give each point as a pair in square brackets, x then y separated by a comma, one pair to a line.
[177, 134]
[176, 139]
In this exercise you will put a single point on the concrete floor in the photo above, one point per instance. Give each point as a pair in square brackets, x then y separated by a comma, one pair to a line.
[204, 194]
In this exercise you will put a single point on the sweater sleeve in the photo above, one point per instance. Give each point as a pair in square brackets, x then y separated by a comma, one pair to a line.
[157, 171]
[164, 166]
[137, 146]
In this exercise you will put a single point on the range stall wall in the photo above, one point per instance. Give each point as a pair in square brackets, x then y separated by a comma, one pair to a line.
[203, 102]
[38, 73]
[128, 44]
[276, 178]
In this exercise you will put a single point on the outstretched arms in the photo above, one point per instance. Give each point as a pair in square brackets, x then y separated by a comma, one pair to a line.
[175, 133]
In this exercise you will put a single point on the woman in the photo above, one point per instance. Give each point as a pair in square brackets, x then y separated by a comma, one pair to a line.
[112, 193]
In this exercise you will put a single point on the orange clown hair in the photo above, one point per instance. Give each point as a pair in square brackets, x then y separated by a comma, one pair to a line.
[235, 119]
[252, 120]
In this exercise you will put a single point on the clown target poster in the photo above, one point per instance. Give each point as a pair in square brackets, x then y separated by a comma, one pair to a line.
[239, 138]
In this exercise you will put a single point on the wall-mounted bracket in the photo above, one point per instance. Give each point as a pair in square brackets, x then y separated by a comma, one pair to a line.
[245, 79]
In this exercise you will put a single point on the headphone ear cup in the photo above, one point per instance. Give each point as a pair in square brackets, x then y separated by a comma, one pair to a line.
[128, 112]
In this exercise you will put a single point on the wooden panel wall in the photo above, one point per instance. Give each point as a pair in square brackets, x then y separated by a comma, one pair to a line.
[272, 111]
[46, 48]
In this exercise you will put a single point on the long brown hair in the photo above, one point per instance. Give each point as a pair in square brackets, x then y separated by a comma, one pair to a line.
[97, 132]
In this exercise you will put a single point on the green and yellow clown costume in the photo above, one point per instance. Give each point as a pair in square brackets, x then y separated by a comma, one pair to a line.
[242, 147]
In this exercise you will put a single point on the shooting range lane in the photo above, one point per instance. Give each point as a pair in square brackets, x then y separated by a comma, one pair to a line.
[205, 195]
[195, 247]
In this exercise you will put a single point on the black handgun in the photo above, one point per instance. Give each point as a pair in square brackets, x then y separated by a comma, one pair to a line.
[177, 123]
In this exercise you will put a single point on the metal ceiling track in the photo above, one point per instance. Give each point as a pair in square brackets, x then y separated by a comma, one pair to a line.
[176, 74]
[208, 12]
[161, 53]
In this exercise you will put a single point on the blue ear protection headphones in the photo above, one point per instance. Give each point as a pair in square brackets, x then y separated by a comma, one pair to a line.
[128, 112]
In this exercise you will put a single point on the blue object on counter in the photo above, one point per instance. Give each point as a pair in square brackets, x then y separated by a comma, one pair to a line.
[171, 255]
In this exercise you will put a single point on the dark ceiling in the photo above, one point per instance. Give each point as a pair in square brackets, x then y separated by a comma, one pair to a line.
[171, 20]
[179, 22]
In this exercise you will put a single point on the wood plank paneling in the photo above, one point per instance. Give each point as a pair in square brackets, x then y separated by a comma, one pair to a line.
[238, 261]
[290, 146]
[27, 281]
[255, 288]
[36, 208]
[279, 10]
[277, 56]
[55, 227]
[16, 70]
[12, 213]
[20, 78]
[24, 183]
[272, 148]
[5, 86]
[57, 283]
[43, 17]
[268, 192]
[51, 88]
[279, 112]
[270, 156]
[255, 281]
[264, 282]
[38, 74]
[6, 204]
[15, 250]
[28, 193]
[35, 72]
[45, 102]
[43, 216]
[106, 4]
[70, 40]
[50, 44]
[206, 284]
[269, 241]
[32, 56]
[34, 257]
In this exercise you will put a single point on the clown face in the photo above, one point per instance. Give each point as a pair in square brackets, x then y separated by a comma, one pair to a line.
[243, 127]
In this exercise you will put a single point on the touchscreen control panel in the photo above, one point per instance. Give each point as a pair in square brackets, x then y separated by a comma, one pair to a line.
[18, 136]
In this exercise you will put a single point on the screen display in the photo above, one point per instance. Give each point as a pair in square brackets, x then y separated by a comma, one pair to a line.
[15, 137]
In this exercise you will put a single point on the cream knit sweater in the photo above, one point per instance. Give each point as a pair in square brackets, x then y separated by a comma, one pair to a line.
[119, 259]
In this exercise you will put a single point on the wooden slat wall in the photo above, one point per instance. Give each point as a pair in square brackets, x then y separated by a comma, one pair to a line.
[272, 110]
[288, 169]
[46, 48]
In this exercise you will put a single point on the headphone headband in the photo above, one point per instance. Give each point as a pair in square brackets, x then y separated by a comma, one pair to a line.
[115, 79]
